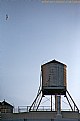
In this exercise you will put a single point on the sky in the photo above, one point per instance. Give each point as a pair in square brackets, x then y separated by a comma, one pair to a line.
[35, 33]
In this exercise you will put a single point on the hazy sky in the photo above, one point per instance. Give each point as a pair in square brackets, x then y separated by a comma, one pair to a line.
[33, 34]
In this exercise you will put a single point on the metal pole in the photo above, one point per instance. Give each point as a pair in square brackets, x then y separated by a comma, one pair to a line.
[55, 102]
[58, 104]
[72, 101]
[51, 102]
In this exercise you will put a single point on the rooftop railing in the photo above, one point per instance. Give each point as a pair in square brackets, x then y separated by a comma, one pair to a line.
[22, 109]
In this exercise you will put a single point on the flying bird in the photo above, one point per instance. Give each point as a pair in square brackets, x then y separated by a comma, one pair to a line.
[7, 16]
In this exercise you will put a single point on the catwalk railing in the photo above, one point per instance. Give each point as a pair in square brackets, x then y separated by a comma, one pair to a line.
[21, 109]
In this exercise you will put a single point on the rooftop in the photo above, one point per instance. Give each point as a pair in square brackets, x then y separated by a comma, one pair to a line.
[54, 61]
[5, 103]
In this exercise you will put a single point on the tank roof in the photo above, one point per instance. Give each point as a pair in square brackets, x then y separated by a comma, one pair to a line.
[54, 61]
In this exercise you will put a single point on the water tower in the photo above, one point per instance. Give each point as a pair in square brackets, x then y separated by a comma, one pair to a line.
[53, 78]
[53, 82]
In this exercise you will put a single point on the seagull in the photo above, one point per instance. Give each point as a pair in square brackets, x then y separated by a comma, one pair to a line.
[7, 16]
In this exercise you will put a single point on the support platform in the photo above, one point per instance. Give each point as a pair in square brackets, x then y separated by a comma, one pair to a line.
[35, 105]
